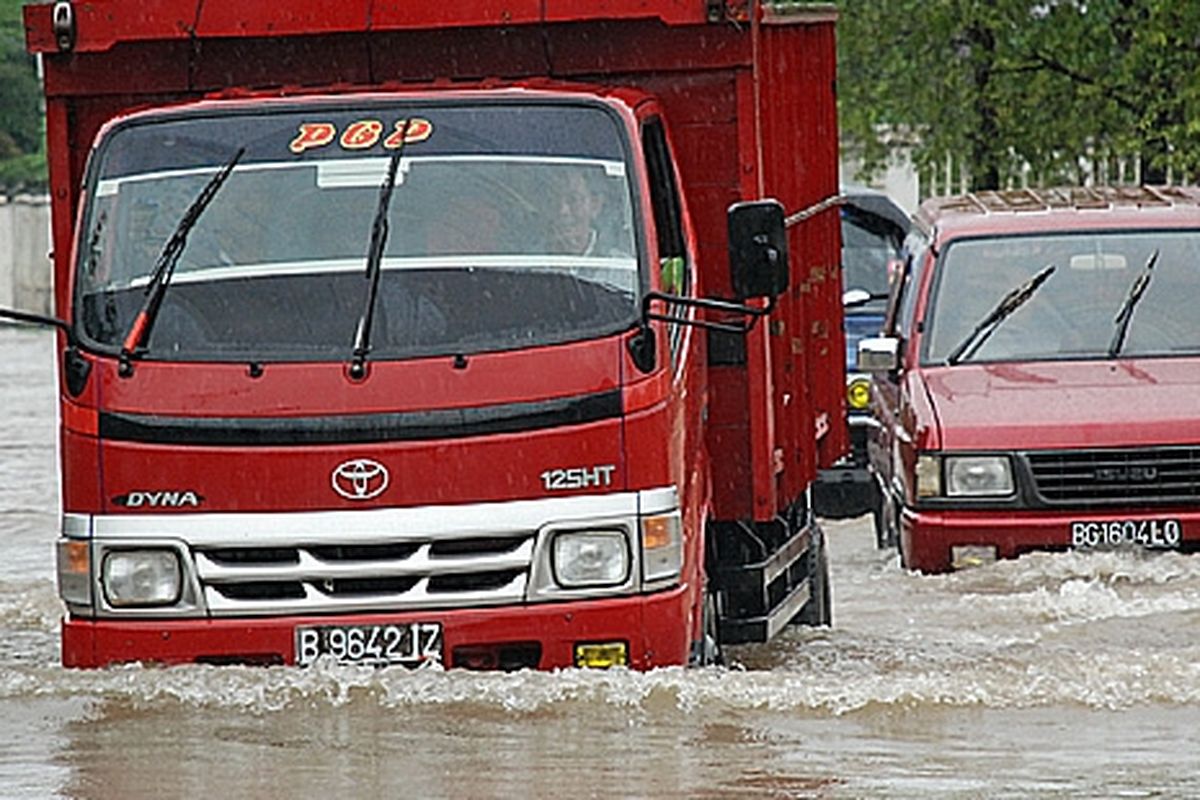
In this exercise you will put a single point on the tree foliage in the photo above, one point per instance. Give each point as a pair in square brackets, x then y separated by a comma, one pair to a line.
[1000, 86]
[1007, 85]
[22, 159]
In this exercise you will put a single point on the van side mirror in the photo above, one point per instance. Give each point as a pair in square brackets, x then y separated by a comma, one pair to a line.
[853, 298]
[879, 354]
[758, 251]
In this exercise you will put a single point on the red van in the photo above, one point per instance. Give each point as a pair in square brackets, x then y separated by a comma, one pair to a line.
[1035, 383]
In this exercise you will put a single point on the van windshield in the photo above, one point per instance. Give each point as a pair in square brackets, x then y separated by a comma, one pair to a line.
[1116, 293]
[510, 225]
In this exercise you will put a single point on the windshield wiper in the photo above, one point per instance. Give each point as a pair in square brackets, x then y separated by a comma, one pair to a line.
[1003, 310]
[1125, 312]
[139, 332]
[379, 234]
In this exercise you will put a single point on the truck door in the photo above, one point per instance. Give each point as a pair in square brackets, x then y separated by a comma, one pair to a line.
[674, 265]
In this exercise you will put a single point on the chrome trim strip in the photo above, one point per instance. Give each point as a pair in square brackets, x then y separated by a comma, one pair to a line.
[76, 526]
[365, 526]
[658, 501]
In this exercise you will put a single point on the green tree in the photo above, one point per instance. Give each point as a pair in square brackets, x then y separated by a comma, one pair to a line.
[22, 158]
[1001, 84]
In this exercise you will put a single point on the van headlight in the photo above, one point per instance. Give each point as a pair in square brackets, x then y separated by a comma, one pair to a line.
[978, 476]
[964, 476]
[590, 558]
[140, 578]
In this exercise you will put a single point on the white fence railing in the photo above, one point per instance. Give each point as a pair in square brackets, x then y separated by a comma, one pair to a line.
[952, 177]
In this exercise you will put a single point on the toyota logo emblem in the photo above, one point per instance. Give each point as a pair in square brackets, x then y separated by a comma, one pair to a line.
[360, 479]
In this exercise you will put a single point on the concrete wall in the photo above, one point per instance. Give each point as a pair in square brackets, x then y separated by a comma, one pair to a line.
[25, 269]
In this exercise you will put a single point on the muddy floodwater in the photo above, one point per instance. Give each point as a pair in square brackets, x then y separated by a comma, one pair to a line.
[1061, 675]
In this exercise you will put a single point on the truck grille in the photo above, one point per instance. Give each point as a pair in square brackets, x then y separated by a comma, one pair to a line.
[1157, 476]
[318, 578]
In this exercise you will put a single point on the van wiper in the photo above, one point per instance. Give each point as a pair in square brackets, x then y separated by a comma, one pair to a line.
[1125, 312]
[1003, 310]
[379, 234]
[139, 332]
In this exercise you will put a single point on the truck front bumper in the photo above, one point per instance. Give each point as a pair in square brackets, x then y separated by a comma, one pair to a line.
[930, 539]
[654, 628]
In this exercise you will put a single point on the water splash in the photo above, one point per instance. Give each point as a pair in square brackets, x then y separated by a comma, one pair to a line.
[1021, 677]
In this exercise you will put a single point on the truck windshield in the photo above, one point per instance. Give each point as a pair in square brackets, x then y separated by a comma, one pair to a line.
[1075, 312]
[511, 225]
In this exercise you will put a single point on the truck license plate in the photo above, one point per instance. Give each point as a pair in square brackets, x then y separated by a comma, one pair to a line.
[1149, 534]
[410, 644]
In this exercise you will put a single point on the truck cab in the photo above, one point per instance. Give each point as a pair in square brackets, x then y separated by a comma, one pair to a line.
[495, 367]
[438, 336]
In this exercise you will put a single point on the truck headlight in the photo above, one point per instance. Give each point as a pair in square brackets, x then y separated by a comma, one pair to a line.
[142, 578]
[590, 558]
[662, 547]
[978, 476]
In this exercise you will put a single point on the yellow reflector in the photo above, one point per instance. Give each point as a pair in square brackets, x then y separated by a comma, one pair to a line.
[602, 655]
[963, 556]
[858, 394]
[656, 532]
[77, 560]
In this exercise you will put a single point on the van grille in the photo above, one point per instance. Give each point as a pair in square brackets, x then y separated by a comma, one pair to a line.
[1158, 476]
[326, 577]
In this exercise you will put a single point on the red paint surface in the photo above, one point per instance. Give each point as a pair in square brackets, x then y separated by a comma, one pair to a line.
[750, 113]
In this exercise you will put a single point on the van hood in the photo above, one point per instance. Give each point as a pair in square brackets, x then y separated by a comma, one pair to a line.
[1059, 404]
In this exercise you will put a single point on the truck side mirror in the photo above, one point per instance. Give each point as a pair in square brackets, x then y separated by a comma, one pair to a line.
[879, 354]
[758, 252]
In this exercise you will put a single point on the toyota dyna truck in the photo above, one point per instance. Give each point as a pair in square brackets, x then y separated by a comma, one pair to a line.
[487, 334]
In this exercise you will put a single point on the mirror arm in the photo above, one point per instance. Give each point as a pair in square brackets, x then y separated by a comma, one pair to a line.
[76, 368]
[709, 304]
[642, 344]
[816, 208]
[40, 319]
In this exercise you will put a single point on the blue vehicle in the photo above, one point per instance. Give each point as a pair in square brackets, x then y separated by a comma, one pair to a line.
[873, 231]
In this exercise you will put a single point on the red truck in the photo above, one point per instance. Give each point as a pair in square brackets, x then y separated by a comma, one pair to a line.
[1034, 388]
[488, 334]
